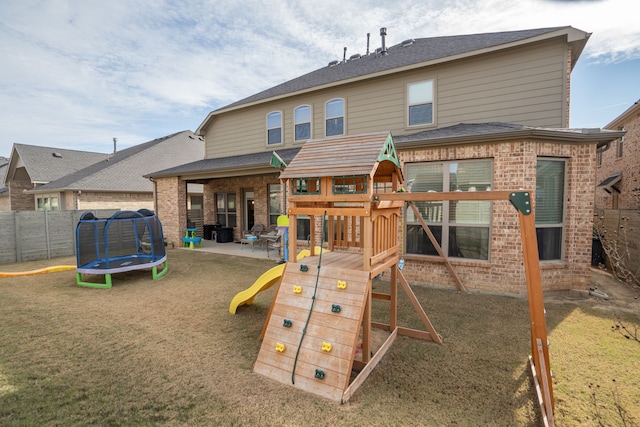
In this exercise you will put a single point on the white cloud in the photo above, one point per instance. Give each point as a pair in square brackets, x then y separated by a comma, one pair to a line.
[78, 72]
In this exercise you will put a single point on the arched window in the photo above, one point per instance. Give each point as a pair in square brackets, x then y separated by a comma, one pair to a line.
[302, 119]
[274, 128]
[334, 117]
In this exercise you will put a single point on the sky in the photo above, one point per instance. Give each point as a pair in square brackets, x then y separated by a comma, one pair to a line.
[77, 73]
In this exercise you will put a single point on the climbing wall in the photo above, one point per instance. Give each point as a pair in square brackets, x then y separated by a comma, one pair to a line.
[324, 359]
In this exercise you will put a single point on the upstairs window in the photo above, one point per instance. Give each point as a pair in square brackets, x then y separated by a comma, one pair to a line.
[420, 103]
[274, 128]
[334, 116]
[620, 145]
[302, 118]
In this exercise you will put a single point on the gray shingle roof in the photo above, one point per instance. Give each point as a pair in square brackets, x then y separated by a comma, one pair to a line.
[45, 164]
[4, 162]
[483, 132]
[222, 164]
[124, 171]
[420, 51]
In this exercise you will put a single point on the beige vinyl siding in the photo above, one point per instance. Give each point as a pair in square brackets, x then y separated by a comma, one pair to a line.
[524, 85]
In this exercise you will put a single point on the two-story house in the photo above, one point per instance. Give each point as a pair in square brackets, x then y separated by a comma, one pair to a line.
[477, 112]
[618, 164]
[617, 198]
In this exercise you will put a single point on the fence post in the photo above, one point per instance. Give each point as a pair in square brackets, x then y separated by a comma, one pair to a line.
[46, 233]
[18, 232]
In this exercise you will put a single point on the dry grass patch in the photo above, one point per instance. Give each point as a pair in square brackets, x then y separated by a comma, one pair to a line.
[167, 352]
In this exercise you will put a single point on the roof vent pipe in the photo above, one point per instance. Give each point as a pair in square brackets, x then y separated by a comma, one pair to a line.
[344, 55]
[383, 33]
[115, 140]
[368, 35]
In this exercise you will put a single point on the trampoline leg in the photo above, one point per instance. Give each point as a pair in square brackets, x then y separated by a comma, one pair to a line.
[105, 285]
[155, 273]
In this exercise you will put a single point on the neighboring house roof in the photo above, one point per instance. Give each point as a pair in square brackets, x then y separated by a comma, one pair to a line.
[124, 170]
[618, 122]
[410, 54]
[4, 162]
[45, 164]
[251, 164]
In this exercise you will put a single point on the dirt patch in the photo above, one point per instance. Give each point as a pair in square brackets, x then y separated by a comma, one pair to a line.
[606, 293]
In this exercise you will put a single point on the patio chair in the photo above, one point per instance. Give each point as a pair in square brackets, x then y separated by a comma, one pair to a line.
[255, 231]
[273, 243]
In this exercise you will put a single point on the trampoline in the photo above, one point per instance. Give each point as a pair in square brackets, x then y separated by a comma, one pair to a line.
[129, 240]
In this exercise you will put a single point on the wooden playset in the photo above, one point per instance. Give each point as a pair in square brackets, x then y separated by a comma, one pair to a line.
[321, 314]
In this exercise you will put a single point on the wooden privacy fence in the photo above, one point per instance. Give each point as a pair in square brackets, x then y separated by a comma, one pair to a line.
[622, 228]
[31, 235]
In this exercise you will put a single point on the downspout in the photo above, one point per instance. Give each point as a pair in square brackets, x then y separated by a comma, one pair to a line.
[155, 195]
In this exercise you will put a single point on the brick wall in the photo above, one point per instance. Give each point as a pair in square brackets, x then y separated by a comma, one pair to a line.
[515, 168]
[628, 164]
[20, 200]
[259, 184]
[172, 207]
[122, 201]
[5, 203]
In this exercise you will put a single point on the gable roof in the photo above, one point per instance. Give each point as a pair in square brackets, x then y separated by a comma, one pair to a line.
[410, 54]
[340, 156]
[45, 164]
[618, 122]
[124, 171]
[4, 162]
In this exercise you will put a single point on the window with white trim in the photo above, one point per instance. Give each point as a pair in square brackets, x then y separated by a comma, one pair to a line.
[47, 203]
[420, 103]
[550, 207]
[461, 228]
[226, 209]
[334, 117]
[302, 123]
[275, 205]
[274, 128]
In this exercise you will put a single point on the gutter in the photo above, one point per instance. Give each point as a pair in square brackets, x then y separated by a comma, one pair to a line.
[585, 136]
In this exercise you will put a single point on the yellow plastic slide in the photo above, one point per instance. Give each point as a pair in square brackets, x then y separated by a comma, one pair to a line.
[264, 282]
[52, 269]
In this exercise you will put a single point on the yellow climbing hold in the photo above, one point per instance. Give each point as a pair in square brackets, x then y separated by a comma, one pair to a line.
[279, 347]
[326, 346]
[342, 284]
[297, 289]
